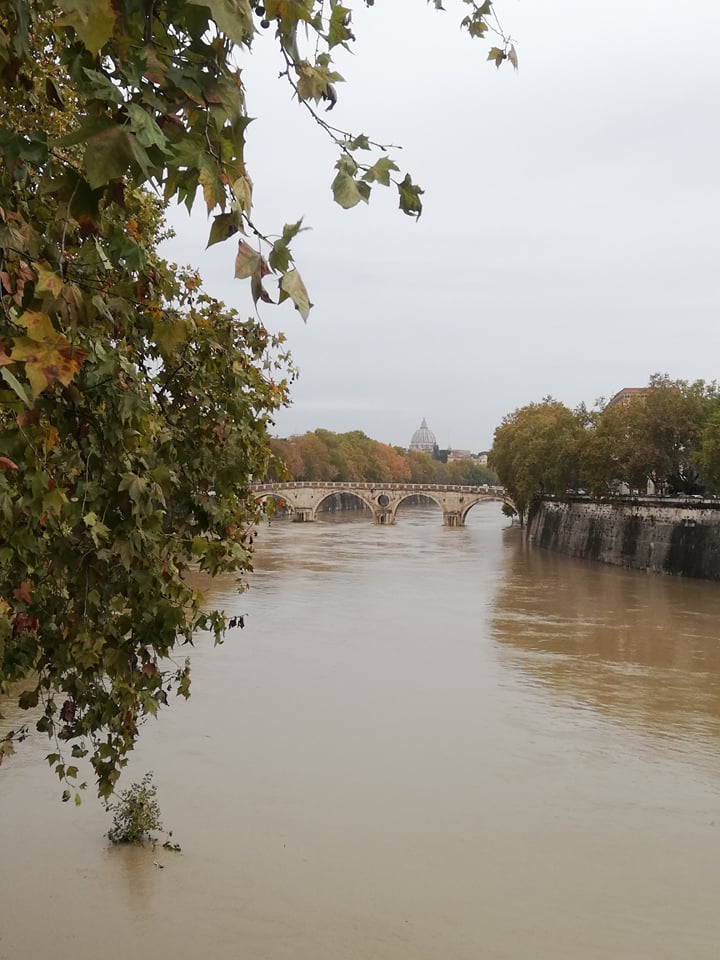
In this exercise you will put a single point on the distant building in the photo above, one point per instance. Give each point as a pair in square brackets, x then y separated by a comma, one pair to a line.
[423, 439]
[459, 455]
[629, 393]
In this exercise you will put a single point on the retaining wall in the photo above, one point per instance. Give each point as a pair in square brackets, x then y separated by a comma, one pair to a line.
[675, 537]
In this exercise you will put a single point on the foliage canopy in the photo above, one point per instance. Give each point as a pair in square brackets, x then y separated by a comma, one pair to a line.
[667, 434]
[134, 407]
[324, 455]
[535, 452]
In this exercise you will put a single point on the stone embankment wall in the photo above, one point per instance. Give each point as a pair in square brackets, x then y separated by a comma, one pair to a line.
[680, 537]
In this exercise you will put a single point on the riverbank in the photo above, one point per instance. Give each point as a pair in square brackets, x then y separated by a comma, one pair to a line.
[677, 537]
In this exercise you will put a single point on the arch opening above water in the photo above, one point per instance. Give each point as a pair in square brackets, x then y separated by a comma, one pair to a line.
[384, 500]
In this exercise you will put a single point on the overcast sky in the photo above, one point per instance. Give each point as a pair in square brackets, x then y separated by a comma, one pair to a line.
[569, 242]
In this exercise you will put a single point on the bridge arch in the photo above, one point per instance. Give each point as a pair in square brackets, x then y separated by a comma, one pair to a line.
[357, 494]
[428, 496]
[383, 499]
[484, 499]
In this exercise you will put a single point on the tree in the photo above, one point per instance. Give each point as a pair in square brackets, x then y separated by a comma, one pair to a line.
[390, 464]
[288, 461]
[650, 436]
[324, 455]
[707, 457]
[315, 458]
[422, 467]
[674, 414]
[536, 452]
[665, 433]
[614, 448]
[134, 407]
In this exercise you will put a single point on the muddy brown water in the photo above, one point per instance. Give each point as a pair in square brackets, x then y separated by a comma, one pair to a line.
[426, 743]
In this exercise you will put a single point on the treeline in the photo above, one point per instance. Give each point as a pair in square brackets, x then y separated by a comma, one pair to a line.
[666, 434]
[324, 455]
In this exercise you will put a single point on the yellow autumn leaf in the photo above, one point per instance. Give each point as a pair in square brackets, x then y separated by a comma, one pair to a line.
[169, 334]
[48, 281]
[48, 356]
[92, 20]
[292, 286]
[38, 325]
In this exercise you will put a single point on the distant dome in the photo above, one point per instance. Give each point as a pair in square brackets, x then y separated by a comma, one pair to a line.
[423, 439]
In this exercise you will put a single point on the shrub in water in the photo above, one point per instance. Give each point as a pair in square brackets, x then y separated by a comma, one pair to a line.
[136, 814]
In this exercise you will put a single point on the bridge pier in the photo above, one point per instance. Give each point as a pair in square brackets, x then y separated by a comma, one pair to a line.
[303, 515]
[452, 518]
[383, 517]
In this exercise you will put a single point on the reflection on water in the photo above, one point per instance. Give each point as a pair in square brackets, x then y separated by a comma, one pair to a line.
[641, 648]
[425, 743]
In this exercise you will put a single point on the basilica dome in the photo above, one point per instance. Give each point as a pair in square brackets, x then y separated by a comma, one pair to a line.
[423, 439]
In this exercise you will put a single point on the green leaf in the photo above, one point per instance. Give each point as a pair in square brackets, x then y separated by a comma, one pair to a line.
[98, 530]
[15, 385]
[145, 128]
[169, 333]
[292, 286]
[224, 226]
[96, 84]
[233, 17]
[380, 171]
[314, 81]
[291, 230]
[360, 142]
[134, 485]
[496, 54]
[410, 202]
[280, 257]
[87, 129]
[92, 20]
[108, 155]
[347, 191]
[213, 187]
[338, 30]
[242, 189]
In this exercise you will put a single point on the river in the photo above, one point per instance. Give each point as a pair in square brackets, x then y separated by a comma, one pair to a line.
[426, 743]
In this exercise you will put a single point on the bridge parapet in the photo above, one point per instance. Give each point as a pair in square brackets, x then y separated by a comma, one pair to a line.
[304, 497]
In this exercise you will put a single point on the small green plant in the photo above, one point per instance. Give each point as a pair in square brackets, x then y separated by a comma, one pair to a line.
[509, 510]
[136, 813]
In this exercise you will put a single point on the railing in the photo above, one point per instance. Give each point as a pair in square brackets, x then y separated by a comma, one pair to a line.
[362, 485]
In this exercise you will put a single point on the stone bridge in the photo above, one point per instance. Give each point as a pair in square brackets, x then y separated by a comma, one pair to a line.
[303, 498]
